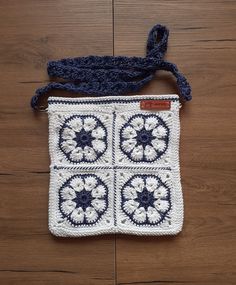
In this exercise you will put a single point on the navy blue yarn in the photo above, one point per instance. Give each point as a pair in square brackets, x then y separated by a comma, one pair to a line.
[150, 201]
[83, 199]
[147, 133]
[107, 101]
[84, 138]
[78, 140]
[114, 75]
[144, 137]
[79, 202]
[145, 199]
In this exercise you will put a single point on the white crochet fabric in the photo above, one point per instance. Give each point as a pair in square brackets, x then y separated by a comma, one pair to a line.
[114, 167]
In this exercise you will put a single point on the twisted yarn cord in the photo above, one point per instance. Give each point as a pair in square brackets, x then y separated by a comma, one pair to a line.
[114, 75]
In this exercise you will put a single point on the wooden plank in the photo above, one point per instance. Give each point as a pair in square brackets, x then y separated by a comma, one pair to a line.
[202, 44]
[31, 33]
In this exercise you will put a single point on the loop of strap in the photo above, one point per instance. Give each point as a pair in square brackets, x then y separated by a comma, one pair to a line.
[113, 75]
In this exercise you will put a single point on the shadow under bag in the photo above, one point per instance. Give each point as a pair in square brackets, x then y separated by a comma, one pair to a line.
[114, 157]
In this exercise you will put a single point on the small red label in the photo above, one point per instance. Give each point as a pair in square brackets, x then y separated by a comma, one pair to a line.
[155, 104]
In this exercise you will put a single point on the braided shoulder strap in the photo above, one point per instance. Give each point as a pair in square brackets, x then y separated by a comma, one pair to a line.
[114, 75]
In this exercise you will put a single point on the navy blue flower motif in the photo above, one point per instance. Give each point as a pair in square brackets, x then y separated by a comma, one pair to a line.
[83, 138]
[145, 199]
[83, 199]
[144, 138]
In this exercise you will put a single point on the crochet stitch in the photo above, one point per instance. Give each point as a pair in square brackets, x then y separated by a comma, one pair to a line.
[114, 75]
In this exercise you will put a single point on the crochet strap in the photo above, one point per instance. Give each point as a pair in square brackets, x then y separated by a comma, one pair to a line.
[114, 75]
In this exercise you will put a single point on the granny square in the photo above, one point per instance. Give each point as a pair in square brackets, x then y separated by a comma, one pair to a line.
[148, 201]
[80, 138]
[81, 201]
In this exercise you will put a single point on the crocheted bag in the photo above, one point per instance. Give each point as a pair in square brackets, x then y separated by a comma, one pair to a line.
[114, 159]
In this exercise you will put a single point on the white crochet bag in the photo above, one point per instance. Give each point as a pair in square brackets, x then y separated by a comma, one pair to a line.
[114, 165]
[114, 159]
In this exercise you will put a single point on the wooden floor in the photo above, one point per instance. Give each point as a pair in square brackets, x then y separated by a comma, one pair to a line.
[202, 43]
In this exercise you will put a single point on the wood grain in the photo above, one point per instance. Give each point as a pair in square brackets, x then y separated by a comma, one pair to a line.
[202, 44]
[31, 33]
